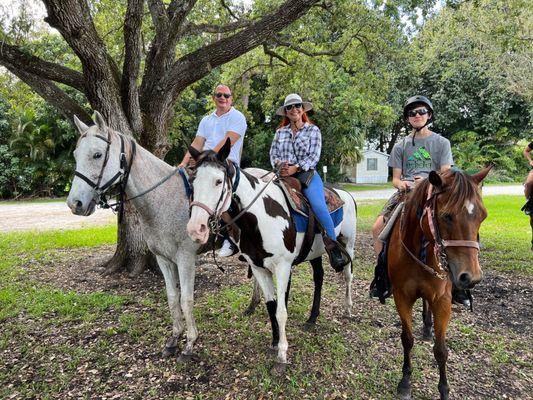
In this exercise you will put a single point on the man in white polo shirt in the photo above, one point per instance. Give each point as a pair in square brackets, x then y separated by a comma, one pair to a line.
[225, 122]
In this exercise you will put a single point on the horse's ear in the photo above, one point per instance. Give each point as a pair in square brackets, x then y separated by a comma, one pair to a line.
[194, 153]
[100, 121]
[435, 179]
[82, 128]
[478, 177]
[223, 153]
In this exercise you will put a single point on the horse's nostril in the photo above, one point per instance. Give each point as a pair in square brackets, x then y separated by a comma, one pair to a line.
[79, 204]
[465, 278]
[203, 228]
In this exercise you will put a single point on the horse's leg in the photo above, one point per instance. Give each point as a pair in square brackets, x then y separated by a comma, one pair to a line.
[256, 298]
[427, 319]
[287, 291]
[265, 282]
[404, 306]
[283, 274]
[169, 272]
[318, 279]
[186, 269]
[442, 310]
[348, 276]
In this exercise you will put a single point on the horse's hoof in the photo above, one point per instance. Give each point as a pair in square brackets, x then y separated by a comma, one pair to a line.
[404, 395]
[184, 358]
[169, 351]
[427, 336]
[309, 326]
[249, 311]
[171, 346]
[279, 369]
[404, 391]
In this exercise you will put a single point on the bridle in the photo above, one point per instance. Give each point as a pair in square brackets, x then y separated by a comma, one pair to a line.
[225, 196]
[120, 178]
[223, 200]
[439, 248]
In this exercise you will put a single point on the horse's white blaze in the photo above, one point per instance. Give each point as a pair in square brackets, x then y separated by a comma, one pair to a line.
[469, 207]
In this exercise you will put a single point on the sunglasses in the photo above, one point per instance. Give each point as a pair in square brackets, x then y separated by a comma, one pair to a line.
[422, 111]
[219, 95]
[290, 106]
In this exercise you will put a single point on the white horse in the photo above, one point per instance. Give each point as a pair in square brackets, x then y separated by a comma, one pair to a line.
[268, 239]
[164, 212]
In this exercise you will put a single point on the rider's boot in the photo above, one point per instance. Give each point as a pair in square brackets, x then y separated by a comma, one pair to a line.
[338, 257]
[380, 286]
[528, 207]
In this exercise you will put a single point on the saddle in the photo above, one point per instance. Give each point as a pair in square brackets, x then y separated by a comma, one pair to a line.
[292, 189]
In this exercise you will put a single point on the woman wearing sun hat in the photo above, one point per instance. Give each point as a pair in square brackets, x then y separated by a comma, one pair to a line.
[296, 151]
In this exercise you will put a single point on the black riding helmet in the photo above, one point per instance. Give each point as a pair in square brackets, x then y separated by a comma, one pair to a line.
[414, 101]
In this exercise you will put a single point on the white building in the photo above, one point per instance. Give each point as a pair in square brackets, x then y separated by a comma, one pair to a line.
[372, 169]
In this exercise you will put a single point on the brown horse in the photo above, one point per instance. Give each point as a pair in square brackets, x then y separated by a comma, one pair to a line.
[441, 217]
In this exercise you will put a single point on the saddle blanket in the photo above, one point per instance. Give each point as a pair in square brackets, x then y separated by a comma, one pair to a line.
[301, 221]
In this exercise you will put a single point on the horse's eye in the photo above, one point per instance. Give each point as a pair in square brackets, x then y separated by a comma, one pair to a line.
[447, 217]
[97, 155]
[218, 182]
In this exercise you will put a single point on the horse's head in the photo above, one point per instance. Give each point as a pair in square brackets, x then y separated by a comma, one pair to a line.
[97, 163]
[454, 214]
[211, 184]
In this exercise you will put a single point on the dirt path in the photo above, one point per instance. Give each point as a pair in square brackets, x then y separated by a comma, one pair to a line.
[50, 215]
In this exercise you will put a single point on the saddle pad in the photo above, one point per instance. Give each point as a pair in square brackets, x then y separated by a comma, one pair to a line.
[299, 204]
[384, 234]
[301, 221]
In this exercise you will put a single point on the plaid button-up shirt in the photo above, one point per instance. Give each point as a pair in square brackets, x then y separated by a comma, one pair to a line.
[304, 150]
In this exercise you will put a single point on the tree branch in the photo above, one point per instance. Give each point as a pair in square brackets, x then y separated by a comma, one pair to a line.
[34, 65]
[228, 9]
[192, 29]
[159, 18]
[132, 61]
[314, 53]
[273, 54]
[72, 18]
[53, 95]
[199, 63]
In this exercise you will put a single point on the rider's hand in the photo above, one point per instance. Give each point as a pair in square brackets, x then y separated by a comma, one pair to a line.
[292, 169]
[404, 186]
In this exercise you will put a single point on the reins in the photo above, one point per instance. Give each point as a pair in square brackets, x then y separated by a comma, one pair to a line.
[122, 176]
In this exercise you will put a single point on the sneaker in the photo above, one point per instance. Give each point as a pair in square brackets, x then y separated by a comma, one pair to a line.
[227, 249]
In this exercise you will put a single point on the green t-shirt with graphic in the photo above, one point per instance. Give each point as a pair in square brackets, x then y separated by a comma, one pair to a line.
[428, 154]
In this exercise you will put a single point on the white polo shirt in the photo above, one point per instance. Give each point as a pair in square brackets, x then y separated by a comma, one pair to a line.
[213, 128]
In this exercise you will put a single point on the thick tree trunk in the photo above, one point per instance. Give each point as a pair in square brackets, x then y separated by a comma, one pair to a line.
[132, 253]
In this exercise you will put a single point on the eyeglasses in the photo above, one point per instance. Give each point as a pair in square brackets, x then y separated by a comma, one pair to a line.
[290, 106]
[219, 95]
[422, 111]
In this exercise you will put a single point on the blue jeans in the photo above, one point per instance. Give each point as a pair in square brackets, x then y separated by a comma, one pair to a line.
[315, 194]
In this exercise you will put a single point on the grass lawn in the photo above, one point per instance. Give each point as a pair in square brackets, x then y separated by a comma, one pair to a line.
[350, 187]
[68, 333]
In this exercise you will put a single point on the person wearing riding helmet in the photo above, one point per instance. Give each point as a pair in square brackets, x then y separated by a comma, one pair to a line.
[528, 186]
[411, 160]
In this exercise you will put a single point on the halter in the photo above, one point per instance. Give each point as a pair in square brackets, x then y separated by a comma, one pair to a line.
[440, 244]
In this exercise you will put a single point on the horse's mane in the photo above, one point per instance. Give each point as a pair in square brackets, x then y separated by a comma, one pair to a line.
[459, 185]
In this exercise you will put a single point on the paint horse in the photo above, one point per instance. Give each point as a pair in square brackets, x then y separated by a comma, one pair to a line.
[268, 240]
[440, 219]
